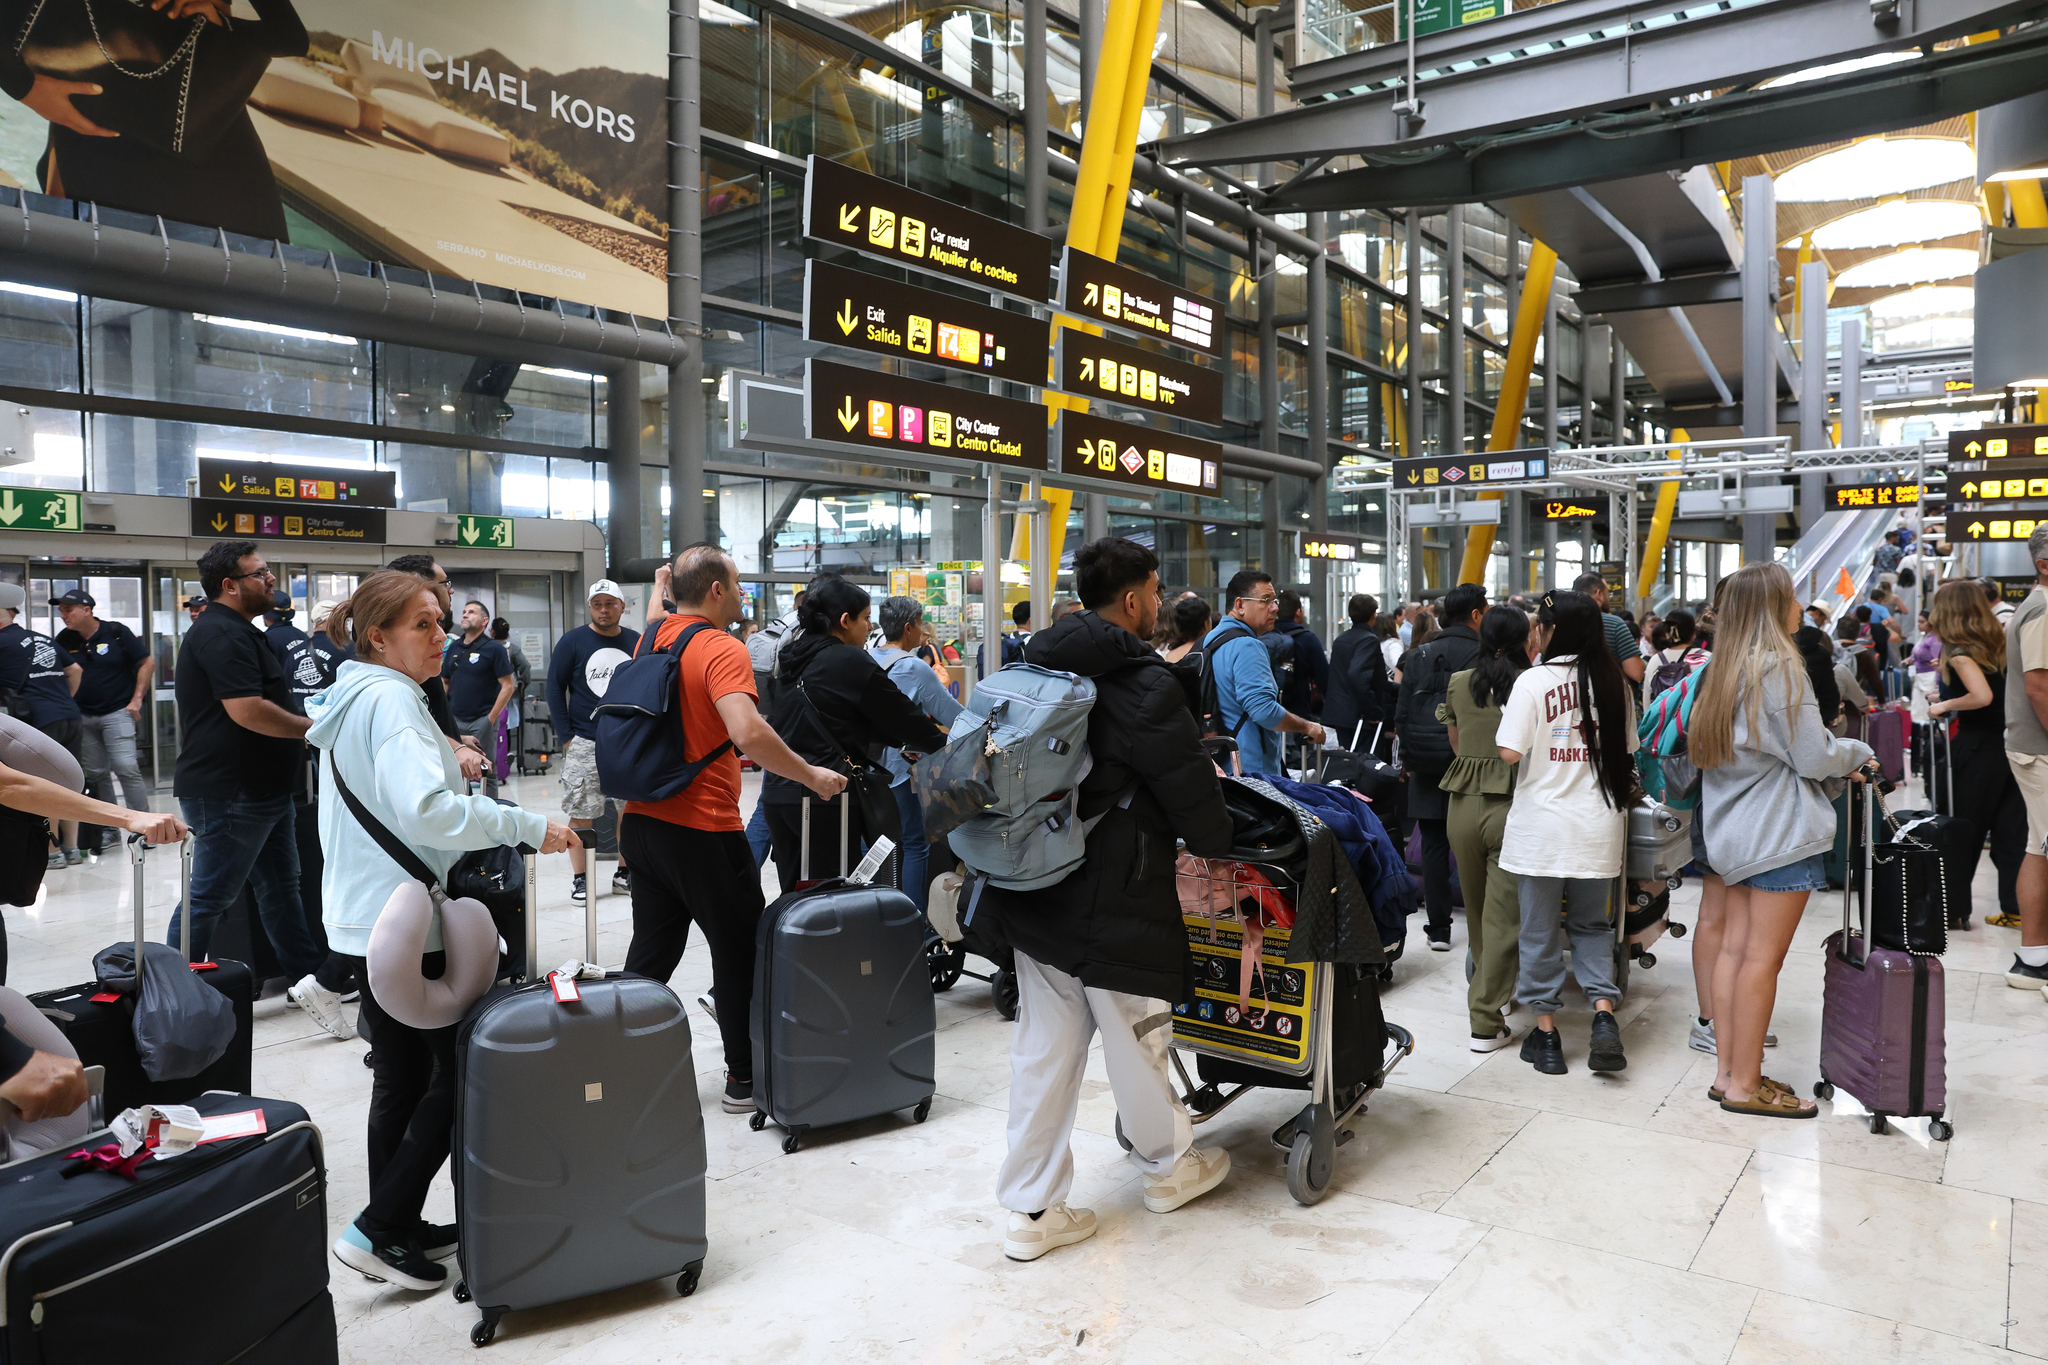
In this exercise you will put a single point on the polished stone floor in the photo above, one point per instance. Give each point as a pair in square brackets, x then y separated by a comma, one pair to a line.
[1481, 1213]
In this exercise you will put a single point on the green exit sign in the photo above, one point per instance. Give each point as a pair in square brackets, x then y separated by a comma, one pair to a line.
[490, 533]
[40, 509]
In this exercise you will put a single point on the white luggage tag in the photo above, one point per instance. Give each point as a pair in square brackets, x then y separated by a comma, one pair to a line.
[878, 854]
[562, 980]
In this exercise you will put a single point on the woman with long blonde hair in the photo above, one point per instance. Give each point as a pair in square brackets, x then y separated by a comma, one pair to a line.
[1972, 779]
[1764, 756]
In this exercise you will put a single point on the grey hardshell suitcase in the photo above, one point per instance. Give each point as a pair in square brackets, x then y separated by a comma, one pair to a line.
[1659, 842]
[579, 1141]
[844, 1021]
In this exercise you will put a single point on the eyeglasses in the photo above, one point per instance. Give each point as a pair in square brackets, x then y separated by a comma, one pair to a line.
[260, 573]
[1262, 601]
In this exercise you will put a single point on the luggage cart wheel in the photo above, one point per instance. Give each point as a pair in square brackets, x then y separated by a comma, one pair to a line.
[1309, 1163]
[1823, 1090]
[757, 1120]
[686, 1283]
[792, 1142]
[923, 1110]
[486, 1329]
[1121, 1140]
[1004, 987]
[1675, 929]
[1648, 959]
[1877, 1123]
[1673, 882]
[1941, 1130]
[462, 1291]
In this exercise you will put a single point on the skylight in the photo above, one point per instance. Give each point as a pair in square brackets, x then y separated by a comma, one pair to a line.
[1925, 302]
[1821, 73]
[1915, 265]
[1875, 167]
[1899, 222]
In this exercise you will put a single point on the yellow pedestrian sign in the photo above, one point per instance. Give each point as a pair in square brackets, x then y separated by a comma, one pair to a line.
[489, 533]
[40, 509]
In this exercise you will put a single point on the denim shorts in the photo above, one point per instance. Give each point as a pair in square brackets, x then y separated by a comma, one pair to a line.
[1700, 864]
[1808, 874]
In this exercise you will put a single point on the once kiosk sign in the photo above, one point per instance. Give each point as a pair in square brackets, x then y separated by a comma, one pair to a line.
[1104, 448]
[1105, 292]
[1096, 367]
[863, 408]
[882, 218]
[848, 308]
[264, 481]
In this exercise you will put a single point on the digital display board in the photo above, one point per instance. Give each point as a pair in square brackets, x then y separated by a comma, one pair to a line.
[1857, 497]
[2000, 442]
[1096, 367]
[1569, 509]
[263, 481]
[1507, 466]
[215, 518]
[1105, 292]
[2001, 483]
[1123, 452]
[863, 408]
[848, 308]
[884, 219]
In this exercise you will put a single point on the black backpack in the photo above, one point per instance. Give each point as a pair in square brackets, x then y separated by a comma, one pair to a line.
[1210, 712]
[1425, 740]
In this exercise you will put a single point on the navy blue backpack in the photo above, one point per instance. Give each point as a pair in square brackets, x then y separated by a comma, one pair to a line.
[640, 742]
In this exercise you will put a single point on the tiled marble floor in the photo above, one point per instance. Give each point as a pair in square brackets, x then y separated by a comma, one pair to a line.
[1483, 1213]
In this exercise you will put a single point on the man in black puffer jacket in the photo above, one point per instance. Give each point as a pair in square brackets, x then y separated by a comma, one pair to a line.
[1426, 744]
[1105, 948]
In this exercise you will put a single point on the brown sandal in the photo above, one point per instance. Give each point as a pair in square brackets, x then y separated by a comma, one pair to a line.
[1771, 1101]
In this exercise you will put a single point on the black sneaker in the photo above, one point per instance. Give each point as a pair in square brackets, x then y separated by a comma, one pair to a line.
[1544, 1051]
[739, 1097]
[622, 882]
[1439, 945]
[2022, 977]
[437, 1240]
[405, 1266]
[579, 889]
[1606, 1050]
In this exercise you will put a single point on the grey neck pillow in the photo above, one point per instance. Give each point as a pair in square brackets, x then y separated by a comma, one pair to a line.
[399, 939]
[28, 750]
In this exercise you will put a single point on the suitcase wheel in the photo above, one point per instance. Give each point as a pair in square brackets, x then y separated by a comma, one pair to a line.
[1941, 1130]
[1823, 1090]
[792, 1142]
[461, 1291]
[1675, 929]
[757, 1120]
[686, 1283]
[486, 1329]
[1877, 1123]
[923, 1110]
[1648, 959]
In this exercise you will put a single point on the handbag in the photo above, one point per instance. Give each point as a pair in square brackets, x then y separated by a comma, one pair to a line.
[867, 783]
[953, 785]
[1908, 891]
[184, 85]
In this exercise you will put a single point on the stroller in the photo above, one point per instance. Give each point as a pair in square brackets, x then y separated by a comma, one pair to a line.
[951, 942]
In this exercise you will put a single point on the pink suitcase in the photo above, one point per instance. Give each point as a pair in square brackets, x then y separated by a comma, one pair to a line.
[1882, 1032]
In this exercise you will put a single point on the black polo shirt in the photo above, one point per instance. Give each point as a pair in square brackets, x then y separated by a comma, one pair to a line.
[224, 656]
[109, 660]
[32, 665]
[473, 671]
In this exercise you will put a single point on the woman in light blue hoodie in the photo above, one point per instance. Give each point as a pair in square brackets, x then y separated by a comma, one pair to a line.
[376, 735]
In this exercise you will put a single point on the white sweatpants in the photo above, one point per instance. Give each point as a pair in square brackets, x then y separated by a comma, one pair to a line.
[1056, 1018]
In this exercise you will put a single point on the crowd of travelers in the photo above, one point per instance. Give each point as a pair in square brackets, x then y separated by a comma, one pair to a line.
[1516, 724]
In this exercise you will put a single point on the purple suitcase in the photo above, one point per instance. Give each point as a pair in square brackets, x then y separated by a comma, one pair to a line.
[1882, 1013]
[1887, 739]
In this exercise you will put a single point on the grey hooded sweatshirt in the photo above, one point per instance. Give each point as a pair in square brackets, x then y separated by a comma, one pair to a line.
[1767, 808]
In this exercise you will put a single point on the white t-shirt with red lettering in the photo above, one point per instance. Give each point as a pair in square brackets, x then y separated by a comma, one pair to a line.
[1559, 824]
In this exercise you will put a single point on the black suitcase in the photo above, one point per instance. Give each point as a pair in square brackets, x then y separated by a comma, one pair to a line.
[101, 1024]
[844, 1020]
[1947, 832]
[217, 1254]
[578, 1157]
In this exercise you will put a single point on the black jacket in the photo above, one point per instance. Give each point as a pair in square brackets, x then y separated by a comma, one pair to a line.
[862, 712]
[1115, 921]
[1310, 683]
[1425, 680]
[1360, 687]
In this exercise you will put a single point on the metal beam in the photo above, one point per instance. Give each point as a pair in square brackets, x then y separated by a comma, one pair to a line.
[686, 435]
[1548, 153]
[1686, 291]
[1573, 59]
[622, 439]
[1813, 385]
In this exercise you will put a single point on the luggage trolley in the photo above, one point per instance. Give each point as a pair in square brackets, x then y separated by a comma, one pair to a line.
[1314, 1026]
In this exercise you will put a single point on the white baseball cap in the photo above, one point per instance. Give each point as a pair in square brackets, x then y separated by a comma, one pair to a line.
[604, 587]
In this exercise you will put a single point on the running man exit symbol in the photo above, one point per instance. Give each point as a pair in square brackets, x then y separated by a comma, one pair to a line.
[494, 533]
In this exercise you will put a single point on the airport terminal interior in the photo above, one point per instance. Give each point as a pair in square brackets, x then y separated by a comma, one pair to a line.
[1372, 296]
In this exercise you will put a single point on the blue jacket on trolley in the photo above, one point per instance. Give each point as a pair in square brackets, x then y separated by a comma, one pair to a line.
[1382, 873]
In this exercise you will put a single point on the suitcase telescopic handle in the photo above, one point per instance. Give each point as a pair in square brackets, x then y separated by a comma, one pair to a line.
[137, 848]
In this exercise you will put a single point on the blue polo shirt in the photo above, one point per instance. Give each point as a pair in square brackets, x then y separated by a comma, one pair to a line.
[32, 665]
[472, 671]
[109, 660]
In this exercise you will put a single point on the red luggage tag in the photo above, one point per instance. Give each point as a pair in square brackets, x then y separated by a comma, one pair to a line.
[106, 997]
[564, 987]
[203, 966]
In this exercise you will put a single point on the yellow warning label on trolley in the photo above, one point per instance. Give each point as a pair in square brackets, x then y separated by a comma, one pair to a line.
[1274, 1032]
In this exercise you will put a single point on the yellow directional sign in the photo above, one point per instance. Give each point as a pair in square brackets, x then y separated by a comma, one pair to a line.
[1980, 528]
[2003, 482]
[40, 509]
[938, 421]
[1564, 509]
[1998, 442]
[881, 218]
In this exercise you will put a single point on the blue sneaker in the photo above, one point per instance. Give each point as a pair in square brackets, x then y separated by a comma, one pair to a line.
[405, 1266]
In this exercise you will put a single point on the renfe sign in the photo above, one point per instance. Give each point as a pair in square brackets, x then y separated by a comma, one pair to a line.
[883, 219]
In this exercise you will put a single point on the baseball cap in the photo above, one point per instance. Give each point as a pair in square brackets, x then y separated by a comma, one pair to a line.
[281, 602]
[77, 597]
[12, 598]
[604, 587]
[195, 600]
[323, 609]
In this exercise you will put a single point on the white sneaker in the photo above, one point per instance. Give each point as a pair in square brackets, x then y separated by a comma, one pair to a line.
[1027, 1238]
[322, 1006]
[1495, 1043]
[1701, 1039]
[1198, 1171]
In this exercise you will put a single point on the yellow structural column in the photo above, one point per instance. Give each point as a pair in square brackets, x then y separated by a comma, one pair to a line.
[1514, 392]
[1660, 523]
[2029, 209]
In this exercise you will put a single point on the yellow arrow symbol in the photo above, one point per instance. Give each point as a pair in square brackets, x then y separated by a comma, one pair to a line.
[845, 318]
[220, 523]
[1087, 368]
[1411, 476]
[1972, 448]
[1088, 296]
[1976, 528]
[849, 217]
[227, 483]
[1968, 489]
[846, 414]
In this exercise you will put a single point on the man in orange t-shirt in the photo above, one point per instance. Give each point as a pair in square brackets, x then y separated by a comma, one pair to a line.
[689, 858]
